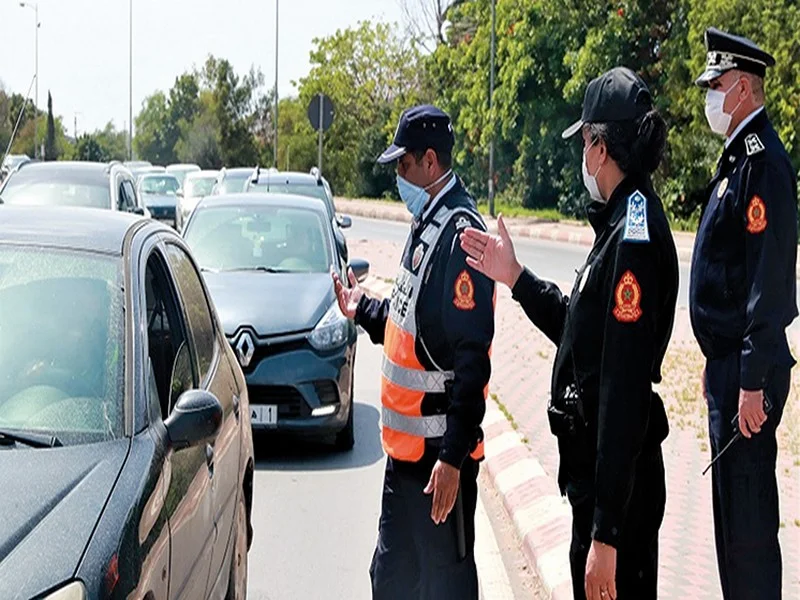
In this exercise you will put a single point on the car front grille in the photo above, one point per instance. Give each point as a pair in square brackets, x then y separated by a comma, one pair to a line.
[288, 399]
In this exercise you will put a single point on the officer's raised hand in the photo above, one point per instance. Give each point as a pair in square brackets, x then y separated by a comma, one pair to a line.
[492, 255]
[348, 298]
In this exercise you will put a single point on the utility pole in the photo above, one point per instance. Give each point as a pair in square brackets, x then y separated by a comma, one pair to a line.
[35, 7]
[130, 80]
[491, 115]
[275, 124]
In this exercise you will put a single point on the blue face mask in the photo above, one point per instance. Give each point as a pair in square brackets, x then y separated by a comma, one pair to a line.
[416, 197]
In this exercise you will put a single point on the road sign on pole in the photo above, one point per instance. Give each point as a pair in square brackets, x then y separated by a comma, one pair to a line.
[320, 114]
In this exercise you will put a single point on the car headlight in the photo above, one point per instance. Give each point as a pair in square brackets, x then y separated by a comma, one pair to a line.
[71, 591]
[331, 331]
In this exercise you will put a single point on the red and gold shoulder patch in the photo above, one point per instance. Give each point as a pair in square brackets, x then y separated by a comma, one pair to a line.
[756, 215]
[464, 292]
[628, 296]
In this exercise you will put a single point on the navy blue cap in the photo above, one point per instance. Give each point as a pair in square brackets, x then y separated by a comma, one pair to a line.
[727, 52]
[420, 128]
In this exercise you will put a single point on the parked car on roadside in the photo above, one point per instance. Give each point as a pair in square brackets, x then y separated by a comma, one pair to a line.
[181, 170]
[266, 259]
[196, 186]
[159, 192]
[125, 440]
[86, 184]
[231, 181]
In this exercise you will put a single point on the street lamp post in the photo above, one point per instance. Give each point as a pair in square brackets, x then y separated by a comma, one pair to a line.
[491, 116]
[35, 7]
[275, 124]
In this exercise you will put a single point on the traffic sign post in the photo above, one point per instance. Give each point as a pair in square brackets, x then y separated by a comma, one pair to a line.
[320, 114]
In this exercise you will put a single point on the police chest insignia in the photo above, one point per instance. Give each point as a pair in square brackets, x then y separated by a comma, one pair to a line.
[462, 223]
[756, 215]
[464, 292]
[628, 296]
[416, 258]
[753, 144]
[723, 186]
[636, 220]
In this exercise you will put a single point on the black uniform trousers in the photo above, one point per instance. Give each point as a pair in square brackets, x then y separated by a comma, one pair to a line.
[745, 488]
[637, 554]
[415, 559]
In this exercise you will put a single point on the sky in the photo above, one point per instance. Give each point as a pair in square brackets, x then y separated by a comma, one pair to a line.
[84, 46]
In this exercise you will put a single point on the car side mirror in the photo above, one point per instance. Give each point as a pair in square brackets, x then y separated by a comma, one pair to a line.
[179, 193]
[138, 210]
[195, 419]
[360, 268]
[344, 221]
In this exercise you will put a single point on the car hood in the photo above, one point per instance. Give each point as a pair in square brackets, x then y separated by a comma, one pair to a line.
[270, 303]
[50, 504]
[157, 200]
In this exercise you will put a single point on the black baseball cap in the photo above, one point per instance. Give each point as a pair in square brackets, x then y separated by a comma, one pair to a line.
[617, 95]
[727, 52]
[420, 128]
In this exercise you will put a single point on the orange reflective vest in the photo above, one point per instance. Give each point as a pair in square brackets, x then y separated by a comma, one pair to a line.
[404, 380]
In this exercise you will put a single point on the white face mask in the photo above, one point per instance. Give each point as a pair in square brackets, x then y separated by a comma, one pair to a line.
[589, 180]
[717, 118]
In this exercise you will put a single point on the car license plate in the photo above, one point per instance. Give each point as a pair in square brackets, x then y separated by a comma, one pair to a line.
[266, 414]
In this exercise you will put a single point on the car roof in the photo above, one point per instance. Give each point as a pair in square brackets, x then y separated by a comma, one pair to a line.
[268, 199]
[236, 170]
[202, 174]
[183, 166]
[159, 174]
[92, 229]
[56, 166]
[288, 177]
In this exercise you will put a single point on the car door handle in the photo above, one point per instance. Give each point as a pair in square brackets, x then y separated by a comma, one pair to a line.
[210, 458]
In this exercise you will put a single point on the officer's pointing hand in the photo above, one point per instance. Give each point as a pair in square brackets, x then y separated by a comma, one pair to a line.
[348, 298]
[751, 412]
[492, 255]
[444, 487]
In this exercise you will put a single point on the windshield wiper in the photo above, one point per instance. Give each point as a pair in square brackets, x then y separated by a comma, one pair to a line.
[262, 269]
[34, 440]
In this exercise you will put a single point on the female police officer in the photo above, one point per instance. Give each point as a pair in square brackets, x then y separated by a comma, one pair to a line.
[612, 333]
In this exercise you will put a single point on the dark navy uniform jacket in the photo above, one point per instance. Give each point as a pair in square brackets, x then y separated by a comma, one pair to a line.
[612, 334]
[743, 291]
[456, 340]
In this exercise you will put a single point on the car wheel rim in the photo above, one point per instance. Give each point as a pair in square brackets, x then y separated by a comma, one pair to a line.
[241, 553]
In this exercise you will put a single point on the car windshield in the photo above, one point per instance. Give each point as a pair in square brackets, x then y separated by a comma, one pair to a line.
[61, 344]
[276, 238]
[160, 184]
[64, 188]
[198, 187]
[233, 183]
[310, 190]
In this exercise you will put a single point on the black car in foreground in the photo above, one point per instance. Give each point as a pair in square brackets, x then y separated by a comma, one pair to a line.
[266, 259]
[126, 450]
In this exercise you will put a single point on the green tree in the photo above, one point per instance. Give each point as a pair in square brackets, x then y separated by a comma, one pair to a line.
[199, 138]
[153, 141]
[50, 149]
[88, 148]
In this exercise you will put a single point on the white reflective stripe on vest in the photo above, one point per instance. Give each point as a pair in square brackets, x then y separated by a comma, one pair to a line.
[433, 426]
[432, 382]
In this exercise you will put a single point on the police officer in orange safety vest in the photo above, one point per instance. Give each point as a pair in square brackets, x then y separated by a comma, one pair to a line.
[436, 332]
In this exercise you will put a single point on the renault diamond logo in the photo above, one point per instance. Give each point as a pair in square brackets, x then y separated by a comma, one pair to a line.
[245, 348]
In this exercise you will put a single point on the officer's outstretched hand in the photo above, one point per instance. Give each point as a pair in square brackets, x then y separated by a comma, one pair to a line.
[348, 298]
[492, 255]
[444, 487]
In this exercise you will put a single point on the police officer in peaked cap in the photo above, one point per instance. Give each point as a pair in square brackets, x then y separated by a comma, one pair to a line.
[612, 333]
[436, 333]
[742, 298]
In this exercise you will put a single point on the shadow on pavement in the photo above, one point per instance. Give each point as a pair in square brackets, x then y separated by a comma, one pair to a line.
[293, 453]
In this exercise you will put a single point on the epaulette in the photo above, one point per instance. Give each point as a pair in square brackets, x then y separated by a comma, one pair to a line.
[636, 229]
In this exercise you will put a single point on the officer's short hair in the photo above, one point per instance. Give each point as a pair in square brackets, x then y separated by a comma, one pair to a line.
[636, 145]
[445, 158]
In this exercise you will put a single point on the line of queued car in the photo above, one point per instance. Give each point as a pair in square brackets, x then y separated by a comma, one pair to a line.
[136, 362]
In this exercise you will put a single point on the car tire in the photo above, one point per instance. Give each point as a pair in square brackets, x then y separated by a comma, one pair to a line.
[237, 581]
[345, 439]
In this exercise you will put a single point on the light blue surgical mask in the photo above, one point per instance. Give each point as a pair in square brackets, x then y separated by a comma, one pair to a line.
[416, 197]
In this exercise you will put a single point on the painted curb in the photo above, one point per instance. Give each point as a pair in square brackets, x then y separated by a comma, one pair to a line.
[541, 517]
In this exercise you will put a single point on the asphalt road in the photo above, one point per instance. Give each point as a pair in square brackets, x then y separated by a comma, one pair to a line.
[316, 513]
[549, 260]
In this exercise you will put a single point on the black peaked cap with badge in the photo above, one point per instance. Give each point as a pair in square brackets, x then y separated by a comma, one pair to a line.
[727, 52]
[420, 128]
